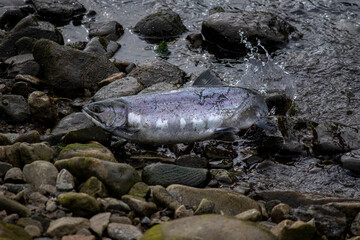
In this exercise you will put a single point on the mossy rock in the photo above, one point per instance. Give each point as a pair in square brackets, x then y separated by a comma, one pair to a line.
[210, 227]
[91, 149]
[81, 204]
[95, 188]
[12, 232]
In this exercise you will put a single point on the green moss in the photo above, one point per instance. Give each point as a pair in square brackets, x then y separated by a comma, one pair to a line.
[12, 232]
[162, 48]
[80, 146]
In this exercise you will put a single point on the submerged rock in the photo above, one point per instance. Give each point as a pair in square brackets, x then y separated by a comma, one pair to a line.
[210, 227]
[13, 232]
[91, 149]
[83, 70]
[22, 64]
[228, 30]
[11, 206]
[42, 108]
[40, 172]
[95, 188]
[167, 174]
[230, 203]
[28, 27]
[153, 71]
[117, 177]
[102, 47]
[162, 25]
[58, 10]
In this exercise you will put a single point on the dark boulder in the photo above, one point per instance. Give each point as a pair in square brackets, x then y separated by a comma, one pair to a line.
[228, 30]
[69, 71]
[111, 30]
[28, 27]
[14, 108]
[58, 10]
[162, 25]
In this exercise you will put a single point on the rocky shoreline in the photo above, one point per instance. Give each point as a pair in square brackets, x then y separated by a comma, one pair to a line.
[62, 177]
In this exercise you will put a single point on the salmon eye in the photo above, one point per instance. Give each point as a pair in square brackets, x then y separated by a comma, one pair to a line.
[97, 109]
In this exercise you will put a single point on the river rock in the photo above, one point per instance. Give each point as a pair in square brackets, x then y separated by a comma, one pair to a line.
[223, 29]
[279, 212]
[4, 140]
[83, 70]
[253, 215]
[4, 167]
[193, 161]
[351, 161]
[349, 208]
[120, 231]
[139, 205]
[299, 230]
[81, 204]
[210, 227]
[95, 188]
[42, 108]
[117, 177]
[22, 64]
[25, 45]
[110, 30]
[153, 71]
[162, 25]
[20, 154]
[329, 221]
[102, 47]
[12, 206]
[11, 16]
[91, 149]
[140, 189]
[28, 27]
[159, 87]
[31, 136]
[167, 174]
[113, 204]
[76, 127]
[332, 138]
[13, 232]
[99, 222]
[123, 87]
[14, 108]
[163, 198]
[14, 175]
[40, 172]
[56, 10]
[223, 176]
[230, 203]
[205, 207]
[65, 181]
[66, 226]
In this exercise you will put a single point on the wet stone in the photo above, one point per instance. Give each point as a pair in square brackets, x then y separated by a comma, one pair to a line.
[154, 71]
[110, 30]
[223, 176]
[65, 181]
[123, 87]
[11, 16]
[163, 198]
[140, 189]
[25, 44]
[205, 207]
[12, 206]
[111, 79]
[13, 232]
[253, 215]
[140, 205]
[99, 222]
[22, 88]
[351, 161]
[279, 212]
[289, 230]
[162, 25]
[91, 149]
[63, 11]
[22, 64]
[193, 161]
[32, 136]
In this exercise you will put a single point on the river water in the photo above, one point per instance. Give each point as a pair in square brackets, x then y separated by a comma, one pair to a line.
[320, 70]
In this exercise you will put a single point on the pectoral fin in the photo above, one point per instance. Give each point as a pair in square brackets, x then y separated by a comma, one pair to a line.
[208, 78]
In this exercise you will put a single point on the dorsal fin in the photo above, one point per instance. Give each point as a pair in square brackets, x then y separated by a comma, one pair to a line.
[208, 78]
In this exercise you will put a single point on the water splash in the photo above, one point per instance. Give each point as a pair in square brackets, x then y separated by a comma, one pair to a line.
[263, 73]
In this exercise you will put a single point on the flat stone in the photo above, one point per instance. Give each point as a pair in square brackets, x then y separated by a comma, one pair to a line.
[299, 230]
[78, 237]
[210, 227]
[66, 226]
[99, 222]
[14, 175]
[163, 198]
[140, 189]
[230, 203]
[91, 149]
[110, 30]
[15, 108]
[253, 215]
[123, 87]
[40, 172]
[120, 231]
[140, 205]
[95, 188]
[113, 204]
[64, 10]
[32, 136]
[205, 207]
[167, 174]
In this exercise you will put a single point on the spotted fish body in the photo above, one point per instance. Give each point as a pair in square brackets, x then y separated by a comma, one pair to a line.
[184, 115]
